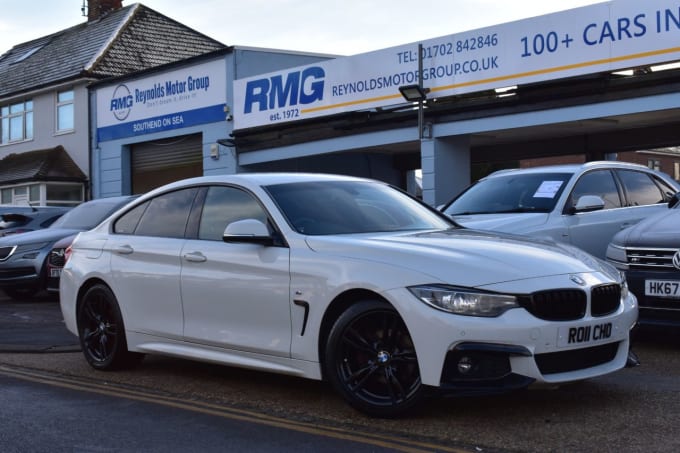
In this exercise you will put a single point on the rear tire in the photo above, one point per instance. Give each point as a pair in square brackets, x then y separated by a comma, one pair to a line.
[371, 360]
[101, 331]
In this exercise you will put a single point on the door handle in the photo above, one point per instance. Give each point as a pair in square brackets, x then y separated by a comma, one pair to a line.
[195, 257]
[123, 249]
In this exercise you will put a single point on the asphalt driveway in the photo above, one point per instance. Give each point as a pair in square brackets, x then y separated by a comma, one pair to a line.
[34, 326]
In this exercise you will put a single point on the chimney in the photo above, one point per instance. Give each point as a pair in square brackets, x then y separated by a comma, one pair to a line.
[97, 9]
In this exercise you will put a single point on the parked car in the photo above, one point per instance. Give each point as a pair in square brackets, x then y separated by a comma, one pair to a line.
[23, 256]
[21, 219]
[584, 205]
[649, 254]
[347, 279]
[55, 262]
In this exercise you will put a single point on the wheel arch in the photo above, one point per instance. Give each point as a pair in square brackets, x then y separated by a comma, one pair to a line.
[84, 288]
[341, 303]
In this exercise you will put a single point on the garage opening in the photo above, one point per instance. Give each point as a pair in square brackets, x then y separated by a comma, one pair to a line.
[163, 161]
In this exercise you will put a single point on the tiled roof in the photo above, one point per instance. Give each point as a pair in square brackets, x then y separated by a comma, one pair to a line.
[130, 39]
[53, 164]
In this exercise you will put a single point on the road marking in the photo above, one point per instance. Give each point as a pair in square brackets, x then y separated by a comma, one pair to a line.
[115, 390]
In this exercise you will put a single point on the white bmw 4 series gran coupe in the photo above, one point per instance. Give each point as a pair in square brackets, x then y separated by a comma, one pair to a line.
[344, 279]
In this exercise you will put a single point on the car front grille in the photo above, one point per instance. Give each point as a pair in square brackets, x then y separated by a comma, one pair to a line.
[577, 359]
[605, 300]
[570, 304]
[650, 258]
[556, 305]
[17, 272]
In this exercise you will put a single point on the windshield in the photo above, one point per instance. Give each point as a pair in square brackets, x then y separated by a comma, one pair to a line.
[345, 207]
[87, 215]
[512, 193]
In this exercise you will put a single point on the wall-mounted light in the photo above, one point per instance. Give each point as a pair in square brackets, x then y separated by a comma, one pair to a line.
[414, 93]
[417, 93]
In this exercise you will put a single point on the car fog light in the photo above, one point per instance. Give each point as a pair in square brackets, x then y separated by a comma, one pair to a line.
[465, 365]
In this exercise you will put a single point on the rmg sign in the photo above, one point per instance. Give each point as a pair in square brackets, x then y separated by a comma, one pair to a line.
[297, 88]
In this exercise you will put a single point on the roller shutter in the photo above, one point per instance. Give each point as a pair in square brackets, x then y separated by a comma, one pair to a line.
[162, 161]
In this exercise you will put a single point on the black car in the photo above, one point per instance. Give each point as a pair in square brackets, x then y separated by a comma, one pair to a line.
[21, 219]
[23, 257]
[649, 253]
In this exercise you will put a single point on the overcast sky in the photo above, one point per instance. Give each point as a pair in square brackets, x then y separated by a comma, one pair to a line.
[344, 27]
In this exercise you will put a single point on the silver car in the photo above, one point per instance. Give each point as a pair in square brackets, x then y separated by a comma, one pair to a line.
[581, 204]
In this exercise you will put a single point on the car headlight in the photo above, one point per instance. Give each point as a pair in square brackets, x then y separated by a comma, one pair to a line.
[624, 287]
[464, 301]
[617, 255]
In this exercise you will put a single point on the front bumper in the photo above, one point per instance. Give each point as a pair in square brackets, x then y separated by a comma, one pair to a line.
[18, 276]
[470, 355]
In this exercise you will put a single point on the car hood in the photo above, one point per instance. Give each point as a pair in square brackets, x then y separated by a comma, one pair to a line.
[31, 237]
[658, 231]
[509, 223]
[484, 257]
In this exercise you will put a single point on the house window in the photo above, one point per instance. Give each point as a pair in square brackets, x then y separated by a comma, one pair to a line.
[654, 164]
[43, 194]
[65, 121]
[676, 171]
[64, 194]
[16, 122]
[6, 196]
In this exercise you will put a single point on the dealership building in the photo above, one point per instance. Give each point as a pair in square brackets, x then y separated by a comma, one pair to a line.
[597, 82]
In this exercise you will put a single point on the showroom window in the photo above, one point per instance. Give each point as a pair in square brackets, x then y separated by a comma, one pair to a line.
[16, 122]
[65, 118]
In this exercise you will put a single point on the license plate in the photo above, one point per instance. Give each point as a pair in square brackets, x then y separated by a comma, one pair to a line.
[585, 334]
[55, 273]
[662, 288]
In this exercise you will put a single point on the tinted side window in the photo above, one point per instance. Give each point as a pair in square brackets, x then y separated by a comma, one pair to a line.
[167, 214]
[640, 188]
[600, 183]
[127, 223]
[224, 205]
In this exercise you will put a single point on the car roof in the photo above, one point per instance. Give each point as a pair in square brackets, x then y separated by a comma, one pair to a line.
[11, 209]
[256, 179]
[571, 168]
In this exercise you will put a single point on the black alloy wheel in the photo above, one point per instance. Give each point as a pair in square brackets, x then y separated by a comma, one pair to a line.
[371, 360]
[101, 331]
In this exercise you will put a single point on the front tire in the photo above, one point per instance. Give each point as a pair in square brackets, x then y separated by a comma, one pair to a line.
[101, 331]
[371, 360]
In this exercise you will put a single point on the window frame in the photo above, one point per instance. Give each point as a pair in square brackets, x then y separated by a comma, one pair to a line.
[59, 105]
[11, 112]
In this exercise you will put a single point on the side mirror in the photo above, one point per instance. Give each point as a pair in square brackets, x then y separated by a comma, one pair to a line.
[674, 200]
[248, 230]
[589, 203]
